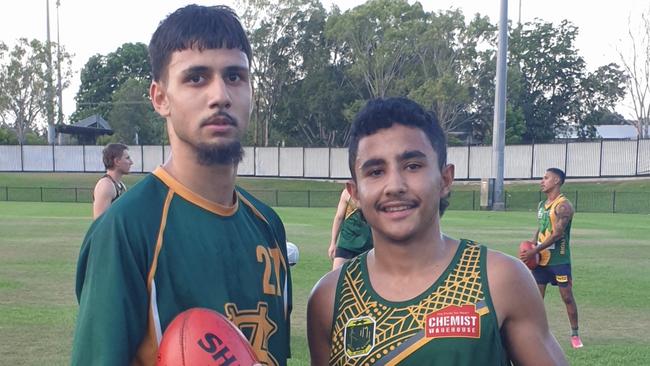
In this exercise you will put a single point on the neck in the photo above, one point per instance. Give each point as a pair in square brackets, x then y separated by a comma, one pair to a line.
[116, 175]
[552, 195]
[215, 183]
[411, 256]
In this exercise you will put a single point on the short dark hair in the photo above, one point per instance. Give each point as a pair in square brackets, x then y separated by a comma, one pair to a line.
[383, 113]
[559, 173]
[112, 152]
[195, 26]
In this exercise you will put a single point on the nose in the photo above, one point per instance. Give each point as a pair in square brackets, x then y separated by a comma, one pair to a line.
[395, 183]
[220, 97]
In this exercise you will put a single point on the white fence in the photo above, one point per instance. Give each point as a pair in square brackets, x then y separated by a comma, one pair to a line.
[577, 159]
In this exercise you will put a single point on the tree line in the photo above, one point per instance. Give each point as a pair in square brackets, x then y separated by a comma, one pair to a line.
[314, 68]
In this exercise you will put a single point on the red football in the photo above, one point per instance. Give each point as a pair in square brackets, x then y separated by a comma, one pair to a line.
[203, 337]
[526, 245]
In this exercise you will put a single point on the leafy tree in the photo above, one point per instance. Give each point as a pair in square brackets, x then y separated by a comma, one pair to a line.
[375, 38]
[448, 64]
[102, 75]
[132, 114]
[274, 34]
[551, 72]
[8, 136]
[23, 76]
[597, 96]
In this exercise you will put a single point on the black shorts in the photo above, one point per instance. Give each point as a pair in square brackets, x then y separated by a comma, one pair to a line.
[557, 275]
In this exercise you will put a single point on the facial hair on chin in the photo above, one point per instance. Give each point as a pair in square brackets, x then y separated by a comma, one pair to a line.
[209, 155]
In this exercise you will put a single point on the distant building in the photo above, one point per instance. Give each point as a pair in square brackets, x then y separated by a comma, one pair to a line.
[617, 132]
[87, 130]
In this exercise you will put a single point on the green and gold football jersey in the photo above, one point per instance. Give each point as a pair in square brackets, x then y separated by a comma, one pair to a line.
[560, 251]
[452, 323]
[162, 249]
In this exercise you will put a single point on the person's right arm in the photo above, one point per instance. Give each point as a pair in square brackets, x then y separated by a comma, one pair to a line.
[103, 196]
[320, 311]
[338, 220]
[112, 294]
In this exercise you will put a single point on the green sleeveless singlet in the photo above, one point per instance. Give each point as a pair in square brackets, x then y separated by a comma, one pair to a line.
[451, 323]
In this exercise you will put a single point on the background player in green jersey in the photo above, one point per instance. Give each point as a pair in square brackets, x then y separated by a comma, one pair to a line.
[553, 237]
[351, 234]
[186, 236]
[117, 161]
[419, 297]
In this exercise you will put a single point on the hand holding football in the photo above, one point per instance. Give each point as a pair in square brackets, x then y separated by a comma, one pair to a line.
[524, 246]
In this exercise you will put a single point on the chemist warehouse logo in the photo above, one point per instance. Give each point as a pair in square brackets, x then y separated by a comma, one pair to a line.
[454, 322]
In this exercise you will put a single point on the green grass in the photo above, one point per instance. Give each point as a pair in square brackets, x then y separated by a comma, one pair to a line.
[39, 244]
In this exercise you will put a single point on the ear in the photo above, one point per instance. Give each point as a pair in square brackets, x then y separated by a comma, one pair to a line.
[351, 187]
[159, 100]
[447, 175]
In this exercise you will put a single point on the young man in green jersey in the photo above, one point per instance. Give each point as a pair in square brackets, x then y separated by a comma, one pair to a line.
[186, 236]
[420, 297]
[553, 236]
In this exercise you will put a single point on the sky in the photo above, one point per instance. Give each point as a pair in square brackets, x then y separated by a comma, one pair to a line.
[89, 27]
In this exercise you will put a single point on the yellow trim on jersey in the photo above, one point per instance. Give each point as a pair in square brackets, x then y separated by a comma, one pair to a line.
[149, 346]
[194, 198]
[408, 351]
[545, 255]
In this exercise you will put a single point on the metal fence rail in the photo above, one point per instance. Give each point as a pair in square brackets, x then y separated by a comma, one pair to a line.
[578, 159]
[583, 201]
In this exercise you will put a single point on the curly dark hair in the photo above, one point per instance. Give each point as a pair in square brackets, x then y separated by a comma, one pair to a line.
[383, 113]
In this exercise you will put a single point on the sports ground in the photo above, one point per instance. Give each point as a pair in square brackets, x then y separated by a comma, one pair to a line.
[39, 244]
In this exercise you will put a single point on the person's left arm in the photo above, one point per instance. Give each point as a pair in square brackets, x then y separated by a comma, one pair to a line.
[521, 314]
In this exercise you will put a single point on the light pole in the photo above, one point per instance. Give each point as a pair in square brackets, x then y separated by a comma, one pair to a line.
[59, 89]
[499, 127]
[49, 98]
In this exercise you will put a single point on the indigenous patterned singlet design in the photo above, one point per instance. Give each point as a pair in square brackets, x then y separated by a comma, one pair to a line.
[560, 251]
[451, 323]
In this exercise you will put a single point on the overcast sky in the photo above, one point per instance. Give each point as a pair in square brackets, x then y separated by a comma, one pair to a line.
[89, 27]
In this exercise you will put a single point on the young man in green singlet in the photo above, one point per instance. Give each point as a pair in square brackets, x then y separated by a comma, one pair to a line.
[553, 237]
[351, 234]
[186, 236]
[110, 187]
[420, 297]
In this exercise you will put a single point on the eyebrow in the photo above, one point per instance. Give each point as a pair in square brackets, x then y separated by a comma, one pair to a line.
[406, 155]
[410, 154]
[192, 70]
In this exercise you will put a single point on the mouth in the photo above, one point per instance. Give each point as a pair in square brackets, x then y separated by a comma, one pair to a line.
[219, 119]
[396, 207]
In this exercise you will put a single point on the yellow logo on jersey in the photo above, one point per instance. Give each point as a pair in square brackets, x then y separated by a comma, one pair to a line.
[359, 336]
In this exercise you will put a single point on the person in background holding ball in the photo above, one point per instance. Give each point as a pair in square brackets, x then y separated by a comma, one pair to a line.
[553, 236]
[186, 236]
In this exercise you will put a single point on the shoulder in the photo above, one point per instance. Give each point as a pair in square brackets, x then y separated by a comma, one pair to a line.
[510, 282]
[104, 184]
[320, 306]
[564, 207]
[264, 209]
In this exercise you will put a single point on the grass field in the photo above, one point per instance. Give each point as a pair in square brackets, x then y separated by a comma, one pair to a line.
[39, 244]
